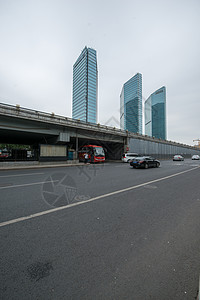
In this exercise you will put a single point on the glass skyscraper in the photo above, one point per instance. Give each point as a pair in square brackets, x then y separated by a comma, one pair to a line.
[131, 105]
[85, 84]
[155, 114]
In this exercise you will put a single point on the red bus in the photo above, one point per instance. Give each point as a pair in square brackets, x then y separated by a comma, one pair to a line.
[95, 153]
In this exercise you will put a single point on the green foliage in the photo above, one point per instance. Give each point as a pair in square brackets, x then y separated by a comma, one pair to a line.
[14, 146]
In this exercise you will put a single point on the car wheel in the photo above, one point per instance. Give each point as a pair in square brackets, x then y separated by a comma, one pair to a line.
[146, 166]
[157, 165]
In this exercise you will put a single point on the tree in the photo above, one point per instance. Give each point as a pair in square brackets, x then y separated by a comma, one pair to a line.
[14, 146]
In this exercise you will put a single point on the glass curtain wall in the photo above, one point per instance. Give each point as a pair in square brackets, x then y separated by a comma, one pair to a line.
[131, 105]
[85, 86]
[155, 114]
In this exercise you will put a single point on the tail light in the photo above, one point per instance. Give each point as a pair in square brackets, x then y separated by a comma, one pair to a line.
[141, 161]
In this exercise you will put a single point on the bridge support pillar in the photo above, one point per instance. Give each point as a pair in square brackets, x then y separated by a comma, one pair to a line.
[126, 144]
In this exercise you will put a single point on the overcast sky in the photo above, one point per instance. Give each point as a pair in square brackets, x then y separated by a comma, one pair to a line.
[41, 39]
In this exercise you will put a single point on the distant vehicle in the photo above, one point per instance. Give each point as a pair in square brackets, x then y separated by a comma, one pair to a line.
[4, 154]
[95, 153]
[178, 157]
[127, 157]
[195, 157]
[145, 162]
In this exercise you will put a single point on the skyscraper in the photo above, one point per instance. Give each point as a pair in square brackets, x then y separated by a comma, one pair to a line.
[155, 114]
[85, 83]
[131, 104]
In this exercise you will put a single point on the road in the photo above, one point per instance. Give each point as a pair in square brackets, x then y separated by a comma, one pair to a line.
[101, 232]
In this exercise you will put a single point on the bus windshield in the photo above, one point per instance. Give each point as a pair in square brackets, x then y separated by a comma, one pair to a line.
[98, 151]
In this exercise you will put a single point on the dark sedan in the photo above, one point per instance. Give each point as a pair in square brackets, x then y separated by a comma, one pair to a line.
[145, 162]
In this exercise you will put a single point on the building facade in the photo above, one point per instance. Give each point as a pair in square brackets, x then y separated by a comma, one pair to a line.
[131, 105]
[85, 86]
[155, 114]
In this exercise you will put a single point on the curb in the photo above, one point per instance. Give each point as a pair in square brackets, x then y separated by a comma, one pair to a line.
[43, 165]
[39, 166]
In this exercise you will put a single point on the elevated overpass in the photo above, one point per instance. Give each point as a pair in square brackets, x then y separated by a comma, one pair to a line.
[30, 127]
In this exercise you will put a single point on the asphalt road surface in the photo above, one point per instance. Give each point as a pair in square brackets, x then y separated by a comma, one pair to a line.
[101, 232]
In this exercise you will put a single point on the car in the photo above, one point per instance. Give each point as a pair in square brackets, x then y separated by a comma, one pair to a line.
[145, 162]
[178, 157]
[196, 157]
[127, 157]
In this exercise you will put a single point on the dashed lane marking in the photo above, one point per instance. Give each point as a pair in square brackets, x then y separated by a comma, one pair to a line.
[26, 184]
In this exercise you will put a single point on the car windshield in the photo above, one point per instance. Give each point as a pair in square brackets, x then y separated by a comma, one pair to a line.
[139, 158]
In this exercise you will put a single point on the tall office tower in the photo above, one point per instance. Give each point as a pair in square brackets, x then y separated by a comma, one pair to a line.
[155, 114]
[85, 86]
[131, 104]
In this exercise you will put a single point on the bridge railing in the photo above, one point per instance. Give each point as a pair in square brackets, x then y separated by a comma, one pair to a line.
[26, 113]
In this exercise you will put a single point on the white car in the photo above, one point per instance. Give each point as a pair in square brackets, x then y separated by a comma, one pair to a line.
[178, 157]
[195, 156]
[127, 157]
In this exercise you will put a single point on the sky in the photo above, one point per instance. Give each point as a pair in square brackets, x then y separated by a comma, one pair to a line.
[41, 40]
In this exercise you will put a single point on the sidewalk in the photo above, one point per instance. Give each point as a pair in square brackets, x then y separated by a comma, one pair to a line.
[18, 165]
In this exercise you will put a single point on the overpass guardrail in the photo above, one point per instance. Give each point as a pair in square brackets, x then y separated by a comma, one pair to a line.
[30, 114]
[17, 111]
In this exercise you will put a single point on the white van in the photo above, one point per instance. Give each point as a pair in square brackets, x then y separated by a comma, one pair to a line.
[127, 157]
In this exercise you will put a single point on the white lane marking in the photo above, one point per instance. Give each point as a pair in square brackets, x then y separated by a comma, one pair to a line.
[151, 186]
[46, 212]
[4, 176]
[26, 184]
